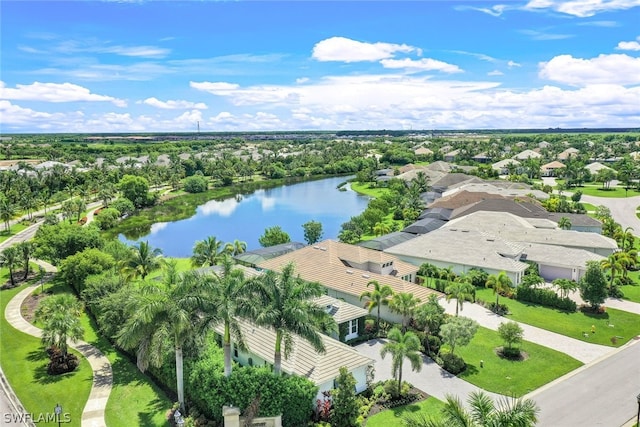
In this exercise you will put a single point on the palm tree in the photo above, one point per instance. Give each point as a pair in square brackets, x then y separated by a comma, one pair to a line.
[26, 249]
[236, 248]
[285, 305]
[60, 317]
[612, 264]
[564, 223]
[143, 261]
[207, 252]
[626, 259]
[429, 317]
[402, 345]
[565, 286]
[227, 299]
[10, 258]
[461, 291]
[7, 211]
[404, 304]
[379, 296]
[482, 412]
[501, 283]
[162, 315]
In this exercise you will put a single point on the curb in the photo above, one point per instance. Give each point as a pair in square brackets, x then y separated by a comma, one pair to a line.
[14, 402]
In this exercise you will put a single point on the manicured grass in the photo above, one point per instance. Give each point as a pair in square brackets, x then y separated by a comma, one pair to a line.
[134, 399]
[15, 229]
[368, 189]
[509, 377]
[24, 363]
[430, 407]
[588, 207]
[574, 325]
[599, 191]
[631, 292]
[183, 264]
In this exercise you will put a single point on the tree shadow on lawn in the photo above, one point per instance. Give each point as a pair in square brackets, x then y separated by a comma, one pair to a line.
[147, 418]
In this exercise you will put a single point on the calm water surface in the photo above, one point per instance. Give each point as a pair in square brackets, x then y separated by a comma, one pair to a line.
[245, 218]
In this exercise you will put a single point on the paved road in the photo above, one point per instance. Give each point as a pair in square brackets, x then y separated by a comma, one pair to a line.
[600, 394]
[623, 210]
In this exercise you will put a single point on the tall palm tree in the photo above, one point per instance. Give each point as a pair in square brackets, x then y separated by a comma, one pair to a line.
[236, 248]
[7, 211]
[9, 258]
[402, 345]
[227, 299]
[461, 291]
[404, 304]
[207, 252]
[501, 283]
[285, 305]
[377, 297]
[162, 316]
[26, 249]
[60, 317]
[482, 412]
[612, 264]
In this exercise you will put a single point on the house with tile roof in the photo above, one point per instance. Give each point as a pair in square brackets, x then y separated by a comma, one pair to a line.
[346, 270]
[552, 168]
[303, 359]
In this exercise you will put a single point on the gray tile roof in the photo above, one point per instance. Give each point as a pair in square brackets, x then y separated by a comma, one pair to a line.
[511, 227]
[380, 243]
[463, 246]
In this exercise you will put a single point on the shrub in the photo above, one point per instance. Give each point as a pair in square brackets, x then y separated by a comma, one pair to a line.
[545, 297]
[60, 363]
[391, 389]
[499, 309]
[431, 344]
[196, 184]
[453, 363]
[510, 353]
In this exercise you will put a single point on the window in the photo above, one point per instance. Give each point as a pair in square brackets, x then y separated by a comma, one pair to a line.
[353, 326]
[250, 362]
[235, 352]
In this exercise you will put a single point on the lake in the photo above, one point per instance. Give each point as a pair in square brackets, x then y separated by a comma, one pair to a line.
[245, 217]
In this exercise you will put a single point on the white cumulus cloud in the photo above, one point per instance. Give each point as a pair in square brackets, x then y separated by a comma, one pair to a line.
[425, 64]
[618, 69]
[582, 8]
[55, 92]
[348, 50]
[174, 104]
[216, 88]
[632, 45]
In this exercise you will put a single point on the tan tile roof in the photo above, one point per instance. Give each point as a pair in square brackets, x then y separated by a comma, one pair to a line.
[323, 263]
[303, 360]
[553, 165]
[343, 310]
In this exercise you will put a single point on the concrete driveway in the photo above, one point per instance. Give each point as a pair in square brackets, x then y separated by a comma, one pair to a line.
[432, 379]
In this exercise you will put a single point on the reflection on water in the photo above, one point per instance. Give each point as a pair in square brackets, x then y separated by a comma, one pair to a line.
[245, 217]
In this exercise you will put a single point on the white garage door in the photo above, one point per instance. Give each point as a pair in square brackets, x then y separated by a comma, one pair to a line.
[549, 272]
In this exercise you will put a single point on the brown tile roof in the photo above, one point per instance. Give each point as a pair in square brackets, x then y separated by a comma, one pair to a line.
[462, 198]
[323, 263]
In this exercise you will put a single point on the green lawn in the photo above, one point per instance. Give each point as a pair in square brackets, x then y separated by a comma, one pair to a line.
[393, 417]
[574, 325]
[589, 207]
[507, 377]
[183, 264]
[134, 399]
[24, 363]
[367, 189]
[598, 191]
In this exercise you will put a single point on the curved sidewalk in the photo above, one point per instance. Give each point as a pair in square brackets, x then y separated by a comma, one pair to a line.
[93, 413]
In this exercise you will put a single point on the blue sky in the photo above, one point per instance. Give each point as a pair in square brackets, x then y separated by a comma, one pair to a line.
[164, 66]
